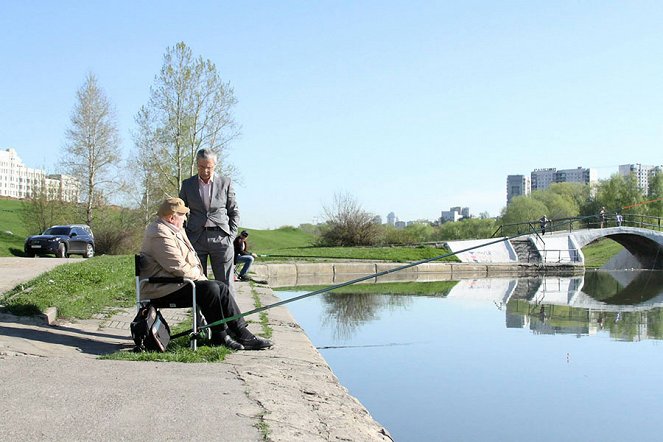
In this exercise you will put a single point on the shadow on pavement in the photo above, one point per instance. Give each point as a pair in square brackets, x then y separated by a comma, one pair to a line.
[84, 344]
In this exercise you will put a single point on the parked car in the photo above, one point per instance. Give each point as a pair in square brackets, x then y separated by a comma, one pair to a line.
[62, 241]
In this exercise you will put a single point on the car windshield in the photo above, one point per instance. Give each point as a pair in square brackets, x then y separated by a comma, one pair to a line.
[57, 231]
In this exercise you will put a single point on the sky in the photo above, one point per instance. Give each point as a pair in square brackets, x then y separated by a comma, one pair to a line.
[409, 107]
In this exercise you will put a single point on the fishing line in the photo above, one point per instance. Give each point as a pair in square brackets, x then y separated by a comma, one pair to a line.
[345, 284]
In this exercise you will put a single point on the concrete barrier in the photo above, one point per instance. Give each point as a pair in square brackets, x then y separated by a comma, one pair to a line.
[434, 267]
[383, 267]
[465, 269]
[362, 268]
[313, 268]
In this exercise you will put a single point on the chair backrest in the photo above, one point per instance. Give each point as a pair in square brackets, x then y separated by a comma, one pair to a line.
[137, 260]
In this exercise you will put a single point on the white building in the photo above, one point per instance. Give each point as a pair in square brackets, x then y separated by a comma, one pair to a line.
[19, 181]
[641, 172]
[454, 214]
[543, 178]
[517, 185]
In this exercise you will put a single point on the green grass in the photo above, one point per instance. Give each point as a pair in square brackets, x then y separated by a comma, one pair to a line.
[600, 252]
[269, 241]
[437, 288]
[12, 229]
[392, 254]
[288, 243]
[11, 244]
[10, 218]
[264, 317]
[178, 351]
[78, 290]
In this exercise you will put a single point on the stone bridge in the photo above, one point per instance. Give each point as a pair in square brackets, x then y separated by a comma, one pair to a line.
[643, 247]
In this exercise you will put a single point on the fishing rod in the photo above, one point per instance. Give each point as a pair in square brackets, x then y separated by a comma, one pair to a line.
[344, 284]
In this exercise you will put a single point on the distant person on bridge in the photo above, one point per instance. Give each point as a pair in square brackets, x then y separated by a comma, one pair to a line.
[619, 219]
[602, 217]
[542, 222]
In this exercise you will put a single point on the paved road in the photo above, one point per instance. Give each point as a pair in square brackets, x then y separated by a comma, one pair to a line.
[14, 270]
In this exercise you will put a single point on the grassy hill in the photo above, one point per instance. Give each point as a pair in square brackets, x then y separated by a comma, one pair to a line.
[284, 244]
[265, 242]
[12, 229]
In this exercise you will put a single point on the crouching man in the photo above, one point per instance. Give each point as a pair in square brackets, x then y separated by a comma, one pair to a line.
[167, 252]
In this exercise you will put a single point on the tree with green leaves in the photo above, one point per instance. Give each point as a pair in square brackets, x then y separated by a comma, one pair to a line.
[189, 108]
[92, 149]
[655, 207]
[618, 192]
[523, 209]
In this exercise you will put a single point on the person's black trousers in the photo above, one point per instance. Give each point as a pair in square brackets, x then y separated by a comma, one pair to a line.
[214, 300]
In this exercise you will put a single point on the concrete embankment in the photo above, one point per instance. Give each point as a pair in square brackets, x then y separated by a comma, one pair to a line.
[296, 273]
[54, 388]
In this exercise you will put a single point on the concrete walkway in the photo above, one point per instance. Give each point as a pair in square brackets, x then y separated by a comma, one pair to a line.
[54, 388]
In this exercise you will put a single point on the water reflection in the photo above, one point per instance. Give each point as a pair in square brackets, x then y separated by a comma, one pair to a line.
[628, 305]
[469, 360]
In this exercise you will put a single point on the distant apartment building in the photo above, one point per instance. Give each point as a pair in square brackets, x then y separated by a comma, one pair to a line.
[642, 174]
[517, 185]
[391, 219]
[454, 214]
[19, 181]
[543, 178]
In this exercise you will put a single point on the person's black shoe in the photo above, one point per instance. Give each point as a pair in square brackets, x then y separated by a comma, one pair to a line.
[255, 343]
[232, 344]
[225, 340]
[244, 278]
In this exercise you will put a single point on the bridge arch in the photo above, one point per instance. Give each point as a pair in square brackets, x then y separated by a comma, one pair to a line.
[644, 244]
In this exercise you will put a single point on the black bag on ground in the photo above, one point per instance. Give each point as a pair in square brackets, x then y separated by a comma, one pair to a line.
[150, 330]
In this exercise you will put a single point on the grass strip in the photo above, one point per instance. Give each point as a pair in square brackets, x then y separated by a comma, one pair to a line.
[264, 317]
[78, 290]
[437, 288]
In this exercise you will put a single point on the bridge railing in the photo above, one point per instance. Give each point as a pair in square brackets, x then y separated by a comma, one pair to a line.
[581, 223]
[556, 256]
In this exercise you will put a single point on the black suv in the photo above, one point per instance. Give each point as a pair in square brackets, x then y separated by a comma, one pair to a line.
[62, 241]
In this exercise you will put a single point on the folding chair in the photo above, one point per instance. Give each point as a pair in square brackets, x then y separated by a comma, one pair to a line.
[195, 313]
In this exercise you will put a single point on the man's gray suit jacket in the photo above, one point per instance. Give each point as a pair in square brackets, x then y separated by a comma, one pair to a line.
[223, 210]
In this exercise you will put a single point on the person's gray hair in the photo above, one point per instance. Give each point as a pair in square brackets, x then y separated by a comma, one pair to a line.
[206, 155]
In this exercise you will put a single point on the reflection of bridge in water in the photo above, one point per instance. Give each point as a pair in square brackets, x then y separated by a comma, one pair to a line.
[605, 291]
[627, 303]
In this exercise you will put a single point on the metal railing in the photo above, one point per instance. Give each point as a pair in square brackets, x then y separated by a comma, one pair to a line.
[581, 223]
[557, 256]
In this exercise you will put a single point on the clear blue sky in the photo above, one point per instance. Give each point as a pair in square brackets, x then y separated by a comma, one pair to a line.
[410, 106]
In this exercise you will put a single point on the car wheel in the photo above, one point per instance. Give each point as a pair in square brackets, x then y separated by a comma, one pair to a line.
[62, 251]
[89, 251]
[30, 254]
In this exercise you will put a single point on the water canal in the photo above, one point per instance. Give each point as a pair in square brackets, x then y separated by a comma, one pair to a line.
[552, 358]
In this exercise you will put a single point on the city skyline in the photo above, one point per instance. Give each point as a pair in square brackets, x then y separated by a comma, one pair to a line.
[411, 107]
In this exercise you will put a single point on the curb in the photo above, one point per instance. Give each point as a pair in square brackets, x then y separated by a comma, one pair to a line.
[49, 316]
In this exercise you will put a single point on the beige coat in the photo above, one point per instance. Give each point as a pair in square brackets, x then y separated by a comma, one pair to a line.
[167, 252]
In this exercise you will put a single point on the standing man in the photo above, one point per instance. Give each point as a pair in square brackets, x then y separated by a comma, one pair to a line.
[214, 216]
[542, 223]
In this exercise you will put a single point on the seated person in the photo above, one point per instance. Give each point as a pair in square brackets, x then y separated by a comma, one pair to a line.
[242, 254]
[167, 252]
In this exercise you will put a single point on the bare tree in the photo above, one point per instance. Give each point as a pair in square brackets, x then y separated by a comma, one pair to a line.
[189, 108]
[93, 145]
[348, 224]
